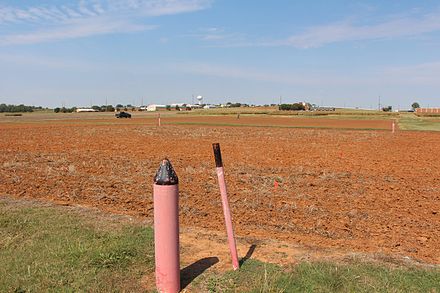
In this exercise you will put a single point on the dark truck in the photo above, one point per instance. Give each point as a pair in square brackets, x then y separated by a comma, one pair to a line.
[123, 115]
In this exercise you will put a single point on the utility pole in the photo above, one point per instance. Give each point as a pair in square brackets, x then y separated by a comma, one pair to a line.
[379, 104]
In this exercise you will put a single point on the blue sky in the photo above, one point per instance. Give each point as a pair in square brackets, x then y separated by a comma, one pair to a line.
[342, 53]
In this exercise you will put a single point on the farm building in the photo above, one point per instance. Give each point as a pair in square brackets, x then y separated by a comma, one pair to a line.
[155, 107]
[85, 110]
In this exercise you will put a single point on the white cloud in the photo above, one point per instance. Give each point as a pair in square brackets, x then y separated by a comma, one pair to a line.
[32, 61]
[403, 26]
[427, 74]
[86, 18]
[398, 26]
[220, 38]
[255, 74]
[75, 29]
[418, 74]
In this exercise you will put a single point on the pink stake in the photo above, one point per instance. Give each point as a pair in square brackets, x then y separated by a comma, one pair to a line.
[158, 119]
[166, 228]
[275, 185]
[393, 126]
[225, 203]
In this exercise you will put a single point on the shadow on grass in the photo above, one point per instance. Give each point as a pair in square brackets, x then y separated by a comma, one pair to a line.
[189, 273]
[248, 254]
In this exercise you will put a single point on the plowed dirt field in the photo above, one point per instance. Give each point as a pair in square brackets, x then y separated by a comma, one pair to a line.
[352, 190]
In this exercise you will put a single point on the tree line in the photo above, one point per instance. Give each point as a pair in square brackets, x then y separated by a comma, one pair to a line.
[17, 108]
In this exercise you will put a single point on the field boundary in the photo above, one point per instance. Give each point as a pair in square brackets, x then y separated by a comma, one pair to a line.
[272, 126]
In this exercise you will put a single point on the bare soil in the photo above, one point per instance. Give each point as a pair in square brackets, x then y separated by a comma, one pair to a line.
[346, 190]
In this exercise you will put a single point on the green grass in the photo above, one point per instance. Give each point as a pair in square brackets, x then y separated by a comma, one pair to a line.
[412, 122]
[53, 249]
[49, 249]
[256, 276]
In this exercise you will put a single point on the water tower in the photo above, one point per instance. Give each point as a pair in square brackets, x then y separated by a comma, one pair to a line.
[200, 100]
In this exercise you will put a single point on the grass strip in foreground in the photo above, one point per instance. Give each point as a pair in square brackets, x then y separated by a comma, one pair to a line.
[50, 248]
[57, 249]
[255, 276]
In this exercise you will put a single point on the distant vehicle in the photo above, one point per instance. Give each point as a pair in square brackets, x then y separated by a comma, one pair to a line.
[123, 115]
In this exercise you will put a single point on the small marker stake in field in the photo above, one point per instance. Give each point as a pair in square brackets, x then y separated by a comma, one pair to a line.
[225, 204]
[166, 228]
[158, 119]
[275, 185]
[393, 126]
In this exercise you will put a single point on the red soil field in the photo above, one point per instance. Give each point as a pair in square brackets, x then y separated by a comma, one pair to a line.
[351, 190]
[299, 122]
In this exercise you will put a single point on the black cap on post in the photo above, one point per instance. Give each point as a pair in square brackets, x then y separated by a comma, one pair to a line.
[166, 174]
[217, 155]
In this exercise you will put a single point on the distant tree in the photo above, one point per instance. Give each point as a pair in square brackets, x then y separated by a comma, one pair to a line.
[168, 107]
[57, 110]
[67, 110]
[106, 108]
[16, 108]
[415, 105]
[96, 108]
[387, 109]
[177, 108]
[292, 107]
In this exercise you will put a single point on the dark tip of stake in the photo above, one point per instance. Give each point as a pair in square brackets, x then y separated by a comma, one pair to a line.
[217, 155]
[166, 174]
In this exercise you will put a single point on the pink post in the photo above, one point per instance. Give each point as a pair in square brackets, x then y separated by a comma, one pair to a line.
[393, 126]
[166, 228]
[225, 203]
[158, 119]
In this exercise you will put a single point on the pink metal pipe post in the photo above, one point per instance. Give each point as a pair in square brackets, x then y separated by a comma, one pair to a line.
[393, 126]
[166, 228]
[225, 203]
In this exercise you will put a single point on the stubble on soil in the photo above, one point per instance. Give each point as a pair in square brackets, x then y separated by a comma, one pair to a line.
[354, 191]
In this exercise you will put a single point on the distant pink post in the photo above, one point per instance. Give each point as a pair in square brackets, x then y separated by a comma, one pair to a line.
[166, 228]
[393, 126]
[225, 204]
[158, 119]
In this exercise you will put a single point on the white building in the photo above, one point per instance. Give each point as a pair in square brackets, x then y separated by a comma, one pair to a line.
[155, 107]
[85, 110]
